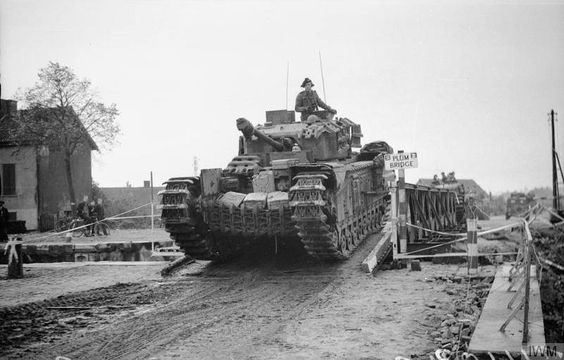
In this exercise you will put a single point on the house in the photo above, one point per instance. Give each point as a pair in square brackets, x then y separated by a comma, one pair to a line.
[471, 188]
[33, 183]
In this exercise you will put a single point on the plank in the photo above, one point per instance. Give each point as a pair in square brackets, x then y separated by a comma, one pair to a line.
[488, 338]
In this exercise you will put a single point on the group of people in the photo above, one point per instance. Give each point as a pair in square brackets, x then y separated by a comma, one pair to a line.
[91, 212]
[444, 179]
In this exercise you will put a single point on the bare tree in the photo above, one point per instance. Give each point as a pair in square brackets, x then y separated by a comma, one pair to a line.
[64, 113]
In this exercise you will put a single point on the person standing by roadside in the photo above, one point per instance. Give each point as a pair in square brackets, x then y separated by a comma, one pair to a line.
[99, 210]
[3, 222]
[91, 217]
[83, 212]
[82, 209]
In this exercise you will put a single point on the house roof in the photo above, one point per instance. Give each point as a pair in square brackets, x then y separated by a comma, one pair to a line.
[470, 186]
[8, 124]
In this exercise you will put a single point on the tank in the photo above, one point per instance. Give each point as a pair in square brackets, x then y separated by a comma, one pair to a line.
[290, 182]
[518, 204]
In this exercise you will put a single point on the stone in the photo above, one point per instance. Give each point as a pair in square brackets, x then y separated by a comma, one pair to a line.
[415, 265]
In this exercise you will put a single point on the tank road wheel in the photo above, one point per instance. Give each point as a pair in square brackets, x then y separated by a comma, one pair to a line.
[339, 242]
[353, 234]
[376, 221]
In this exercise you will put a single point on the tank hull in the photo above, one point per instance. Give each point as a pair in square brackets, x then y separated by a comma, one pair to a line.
[330, 209]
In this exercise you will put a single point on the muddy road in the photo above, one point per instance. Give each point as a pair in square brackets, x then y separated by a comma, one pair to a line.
[256, 307]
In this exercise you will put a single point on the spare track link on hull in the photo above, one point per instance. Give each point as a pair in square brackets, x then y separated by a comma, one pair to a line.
[325, 240]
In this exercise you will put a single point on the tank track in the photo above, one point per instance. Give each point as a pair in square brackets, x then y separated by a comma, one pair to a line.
[193, 242]
[321, 235]
[183, 219]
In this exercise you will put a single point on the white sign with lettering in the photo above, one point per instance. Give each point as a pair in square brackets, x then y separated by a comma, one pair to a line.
[400, 161]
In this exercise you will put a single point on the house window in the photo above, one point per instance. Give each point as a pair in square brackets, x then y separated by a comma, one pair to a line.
[8, 179]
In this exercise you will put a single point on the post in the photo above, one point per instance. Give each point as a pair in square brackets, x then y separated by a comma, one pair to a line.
[472, 232]
[152, 217]
[527, 292]
[152, 207]
[15, 258]
[394, 221]
[555, 190]
[402, 210]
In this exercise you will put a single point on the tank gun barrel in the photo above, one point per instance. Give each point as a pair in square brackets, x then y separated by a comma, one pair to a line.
[248, 130]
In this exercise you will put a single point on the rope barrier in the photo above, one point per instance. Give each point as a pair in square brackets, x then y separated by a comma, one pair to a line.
[504, 227]
[114, 217]
[434, 231]
[551, 263]
[464, 236]
[130, 217]
[556, 215]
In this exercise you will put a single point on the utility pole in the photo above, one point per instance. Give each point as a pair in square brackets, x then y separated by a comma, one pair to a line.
[555, 192]
[196, 166]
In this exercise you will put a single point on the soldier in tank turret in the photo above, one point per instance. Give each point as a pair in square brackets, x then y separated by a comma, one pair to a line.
[307, 101]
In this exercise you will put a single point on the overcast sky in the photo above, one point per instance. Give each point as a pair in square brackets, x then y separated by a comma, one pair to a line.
[465, 84]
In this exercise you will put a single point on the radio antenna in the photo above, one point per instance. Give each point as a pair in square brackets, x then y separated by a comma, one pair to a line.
[322, 78]
[287, 76]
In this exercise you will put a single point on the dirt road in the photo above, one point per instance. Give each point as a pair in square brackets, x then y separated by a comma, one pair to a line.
[283, 307]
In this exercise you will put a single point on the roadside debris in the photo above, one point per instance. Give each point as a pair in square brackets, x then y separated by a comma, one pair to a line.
[456, 325]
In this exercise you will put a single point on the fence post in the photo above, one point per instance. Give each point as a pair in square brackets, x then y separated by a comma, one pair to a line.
[402, 209]
[15, 258]
[394, 222]
[472, 232]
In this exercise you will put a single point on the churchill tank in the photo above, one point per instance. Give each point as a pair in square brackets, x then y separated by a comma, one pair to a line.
[291, 181]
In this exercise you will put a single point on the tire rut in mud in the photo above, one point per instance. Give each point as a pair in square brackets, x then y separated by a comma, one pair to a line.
[226, 310]
[45, 321]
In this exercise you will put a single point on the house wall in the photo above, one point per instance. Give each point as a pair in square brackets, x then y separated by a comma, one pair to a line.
[24, 203]
[53, 190]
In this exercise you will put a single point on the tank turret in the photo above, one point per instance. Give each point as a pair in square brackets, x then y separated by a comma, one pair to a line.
[248, 131]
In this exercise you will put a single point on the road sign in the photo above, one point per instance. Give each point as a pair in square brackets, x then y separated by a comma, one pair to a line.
[400, 161]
